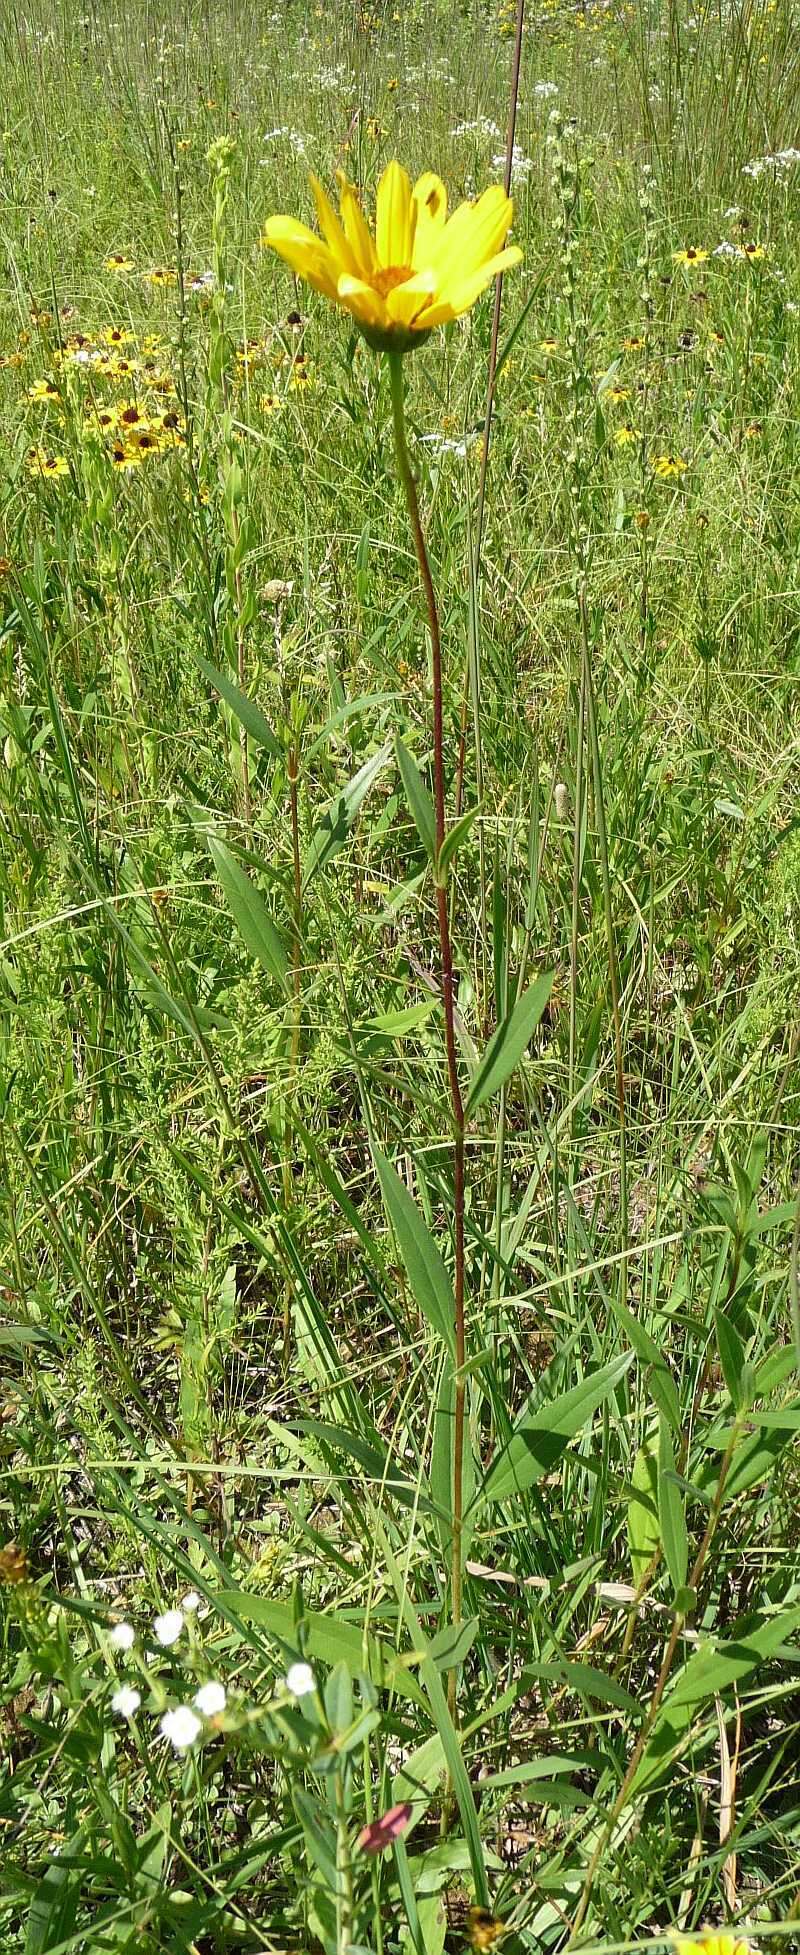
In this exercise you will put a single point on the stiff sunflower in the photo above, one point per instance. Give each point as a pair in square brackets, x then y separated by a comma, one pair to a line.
[420, 270]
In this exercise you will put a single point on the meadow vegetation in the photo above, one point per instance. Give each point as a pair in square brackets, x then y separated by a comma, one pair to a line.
[334, 1617]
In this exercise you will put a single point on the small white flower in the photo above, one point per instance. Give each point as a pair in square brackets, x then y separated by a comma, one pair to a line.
[123, 1636]
[190, 1603]
[211, 1699]
[300, 1679]
[126, 1701]
[181, 1727]
[545, 90]
[167, 1628]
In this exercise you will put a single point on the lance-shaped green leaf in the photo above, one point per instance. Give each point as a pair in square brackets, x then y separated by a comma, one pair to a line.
[672, 1519]
[250, 913]
[539, 1438]
[248, 714]
[507, 1044]
[430, 1284]
[333, 829]
[417, 796]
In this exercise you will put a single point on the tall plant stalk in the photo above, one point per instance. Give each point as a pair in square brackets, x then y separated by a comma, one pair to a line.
[395, 362]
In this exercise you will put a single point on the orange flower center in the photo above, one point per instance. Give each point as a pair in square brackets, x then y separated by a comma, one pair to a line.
[385, 281]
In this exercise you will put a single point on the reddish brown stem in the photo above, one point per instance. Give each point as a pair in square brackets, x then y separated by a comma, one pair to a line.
[448, 988]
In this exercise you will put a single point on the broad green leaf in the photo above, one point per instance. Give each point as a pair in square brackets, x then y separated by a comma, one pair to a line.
[660, 1379]
[644, 1533]
[417, 796]
[250, 913]
[430, 1284]
[453, 1643]
[731, 1356]
[333, 829]
[507, 1044]
[715, 1666]
[452, 842]
[539, 1438]
[672, 1519]
[330, 1638]
[585, 1681]
[249, 716]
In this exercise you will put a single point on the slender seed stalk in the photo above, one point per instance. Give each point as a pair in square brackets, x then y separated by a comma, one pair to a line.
[446, 961]
[613, 965]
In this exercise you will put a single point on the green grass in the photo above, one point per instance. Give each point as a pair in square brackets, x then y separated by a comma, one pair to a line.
[227, 1355]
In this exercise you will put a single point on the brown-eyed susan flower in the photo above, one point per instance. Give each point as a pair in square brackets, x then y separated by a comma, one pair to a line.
[618, 394]
[124, 456]
[548, 345]
[131, 416]
[51, 467]
[752, 250]
[43, 390]
[169, 429]
[692, 254]
[669, 468]
[160, 275]
[143, 442]
[374, 129]
[122, 368]
[270, 403]
[633, 343]
[118, 336]
[626, 434]
[118, 262]
[420, 270]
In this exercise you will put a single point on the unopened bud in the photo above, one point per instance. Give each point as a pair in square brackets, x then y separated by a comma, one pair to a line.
[561, 799]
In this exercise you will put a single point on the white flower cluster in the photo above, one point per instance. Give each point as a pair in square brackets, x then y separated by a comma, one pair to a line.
[183, 1725]
[482, 126]
[725, 250]
[521, 165]
[286, 135]
[545, 91]
[777, 164]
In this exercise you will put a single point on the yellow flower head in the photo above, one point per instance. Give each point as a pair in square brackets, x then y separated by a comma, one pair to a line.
[625, 435]
[752, 250]
[119, 263]
[692, 255]
[708, 1942]
[421, 269]
[670, 468]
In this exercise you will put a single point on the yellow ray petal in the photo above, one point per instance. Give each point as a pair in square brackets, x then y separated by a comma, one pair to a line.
[356, 229]
[304, 251]
[332, 230]
[405, 302]
[428, 215]
[393, 220]
[362, 300]
[474, 233]
[457, 296]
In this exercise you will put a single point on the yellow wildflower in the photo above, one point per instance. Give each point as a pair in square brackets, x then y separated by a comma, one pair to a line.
[419, 271]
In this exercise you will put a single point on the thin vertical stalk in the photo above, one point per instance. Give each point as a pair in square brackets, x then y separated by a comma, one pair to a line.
[395, 363]
[613, 967]
[576, 887]
[293, 774]
[511, 130]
